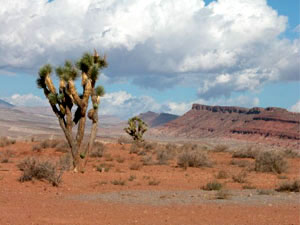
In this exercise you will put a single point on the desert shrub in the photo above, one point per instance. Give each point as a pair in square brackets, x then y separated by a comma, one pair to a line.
[98, 150]
[189, 147]
[49, 143]
[248, 153]
[135, 166]
[36, 148]
[120, 159]
[65, 162]
[149, 146]
[41, 170]
[290, 153]
[282, 177]
[153, 182]
[5, 156]
[212, 186]
[171, 147]
[108, 157]
[220, 148]
[63, 147]
[264, 192]
[193, 159]
[4, 141]
[104, 167]
[240, 178]
[270, 162]
[248, 186]
[162, 157]
[132, 178]
[118, 182]
[240, 163]
[222, 175]
[134, 148]
[289, 186]
[222, 194]
[147, 160]
[124, 140]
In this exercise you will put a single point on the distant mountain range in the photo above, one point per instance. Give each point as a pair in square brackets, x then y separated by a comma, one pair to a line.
[157, 119]
[5, 104]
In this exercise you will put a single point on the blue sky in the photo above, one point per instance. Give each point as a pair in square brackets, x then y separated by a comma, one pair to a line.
[162, 57]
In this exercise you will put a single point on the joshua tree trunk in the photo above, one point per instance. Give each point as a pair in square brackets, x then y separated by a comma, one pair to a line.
[63, 101]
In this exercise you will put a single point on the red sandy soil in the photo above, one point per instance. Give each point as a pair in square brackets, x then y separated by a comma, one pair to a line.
[75, 201]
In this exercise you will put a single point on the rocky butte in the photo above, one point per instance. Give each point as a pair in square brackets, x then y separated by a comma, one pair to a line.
[276, 125]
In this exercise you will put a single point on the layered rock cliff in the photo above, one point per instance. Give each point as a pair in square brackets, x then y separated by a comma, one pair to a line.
[227, 121]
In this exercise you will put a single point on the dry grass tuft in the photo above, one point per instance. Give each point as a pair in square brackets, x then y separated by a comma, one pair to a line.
[98, 150]
[41, 170]
[213, 186]
[4, 141]
[248, 153]
[193, 159]
[289, 186]
[270, 162]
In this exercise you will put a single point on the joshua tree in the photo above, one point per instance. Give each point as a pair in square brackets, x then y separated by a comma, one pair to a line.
[136, 128]
[63, 100]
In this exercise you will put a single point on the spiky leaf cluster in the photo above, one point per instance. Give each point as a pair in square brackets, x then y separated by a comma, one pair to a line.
[91, 64]
[43, 72]
[99, 90]
[67, 72]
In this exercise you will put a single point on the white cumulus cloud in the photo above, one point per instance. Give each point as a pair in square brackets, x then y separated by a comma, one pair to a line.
[26, 100]
[155, 43]
[296, 107]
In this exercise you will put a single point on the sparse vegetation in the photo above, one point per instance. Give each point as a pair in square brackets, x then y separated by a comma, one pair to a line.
[124, 140]
[213, 186]
[290, 153]
[5, 156]
[248, 186]
[222, 175]
[264, 192]
[240, 163]
[162, 157]
[248, 153]
[270, 162]
[135, 166]
[132, 178]
[222, 194]
[4, 141]
[147, 160]
[119, 159]
[104, 167]
[289, 186]
[193, 159]
[220, 148]
[98, 150]
[240, 178]
[153, 182]
[118, 182]
[41, 170]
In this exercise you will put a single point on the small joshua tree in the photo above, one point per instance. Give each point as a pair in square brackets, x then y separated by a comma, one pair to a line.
[63, 100]
[136, 128]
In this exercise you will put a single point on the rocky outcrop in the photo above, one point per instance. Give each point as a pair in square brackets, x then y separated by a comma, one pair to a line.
[228, 121]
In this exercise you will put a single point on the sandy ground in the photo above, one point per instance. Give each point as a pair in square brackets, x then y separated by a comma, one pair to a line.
[177, 197]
